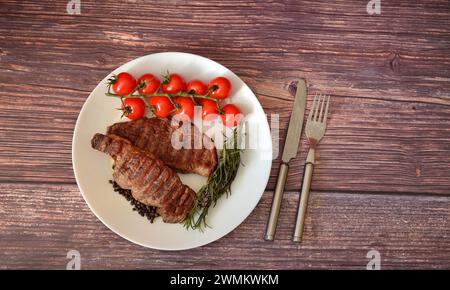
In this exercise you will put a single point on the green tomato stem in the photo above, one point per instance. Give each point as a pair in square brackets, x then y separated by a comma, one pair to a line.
[158, 94]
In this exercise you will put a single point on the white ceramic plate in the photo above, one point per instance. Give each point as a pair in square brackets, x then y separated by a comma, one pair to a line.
[93, 169]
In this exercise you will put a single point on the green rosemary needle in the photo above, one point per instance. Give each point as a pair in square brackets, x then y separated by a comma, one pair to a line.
[219, 183]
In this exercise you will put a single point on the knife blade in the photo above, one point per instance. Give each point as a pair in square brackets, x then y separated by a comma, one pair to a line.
[295, 123]
[289, 152]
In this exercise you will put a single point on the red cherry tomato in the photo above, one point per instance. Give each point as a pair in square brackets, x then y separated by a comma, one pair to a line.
[231, 115]
[133, 108]
[209, 110]
[151, 86]
[173, 83]
[219, 88]
[162, 105]
[186, 110]
[123, 83]
[196, 87]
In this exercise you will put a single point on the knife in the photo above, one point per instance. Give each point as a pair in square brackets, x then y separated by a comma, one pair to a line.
[289, 152]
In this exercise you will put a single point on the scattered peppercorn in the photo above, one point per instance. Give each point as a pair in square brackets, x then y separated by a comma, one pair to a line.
[142, 209]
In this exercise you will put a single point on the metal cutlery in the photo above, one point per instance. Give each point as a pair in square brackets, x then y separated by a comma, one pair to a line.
[289, 152]
[315, 129]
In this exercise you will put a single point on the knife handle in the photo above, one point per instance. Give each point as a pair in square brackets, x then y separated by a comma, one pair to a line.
[276, 202]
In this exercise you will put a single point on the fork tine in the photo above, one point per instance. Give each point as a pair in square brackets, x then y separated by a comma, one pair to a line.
[311, 111]
[326, 110]
[322, 105]
[316, 111]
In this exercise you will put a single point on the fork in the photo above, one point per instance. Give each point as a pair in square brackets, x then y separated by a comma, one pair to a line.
[315, 129]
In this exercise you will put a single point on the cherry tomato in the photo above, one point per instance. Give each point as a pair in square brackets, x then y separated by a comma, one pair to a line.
[133, 108]
[186, 110]
[219, 88]
[231, 115]
[123, 83]
[209, 110]
[196, 87]
[162, 105]
[151, 86]
[173, 83]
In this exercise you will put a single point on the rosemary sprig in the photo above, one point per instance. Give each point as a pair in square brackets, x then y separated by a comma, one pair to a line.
[219, 183]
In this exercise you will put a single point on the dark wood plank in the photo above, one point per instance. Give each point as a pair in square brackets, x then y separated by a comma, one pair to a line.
[396, 57]
[40, 223]
[389, 74]
[390, 147]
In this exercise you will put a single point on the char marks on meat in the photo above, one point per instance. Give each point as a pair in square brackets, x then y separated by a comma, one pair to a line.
[149, 179]
[154, 135]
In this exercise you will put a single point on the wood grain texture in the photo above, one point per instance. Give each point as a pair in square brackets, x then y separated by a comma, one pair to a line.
[390, 122]
[40, 223]
[382, 178]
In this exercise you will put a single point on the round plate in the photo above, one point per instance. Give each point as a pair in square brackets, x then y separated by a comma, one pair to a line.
[93, 169]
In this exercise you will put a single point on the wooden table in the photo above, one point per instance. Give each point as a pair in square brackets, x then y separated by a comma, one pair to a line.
[382, 179]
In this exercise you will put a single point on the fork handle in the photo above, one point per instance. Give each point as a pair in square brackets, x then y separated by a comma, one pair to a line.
[276, 203]
[303, 204]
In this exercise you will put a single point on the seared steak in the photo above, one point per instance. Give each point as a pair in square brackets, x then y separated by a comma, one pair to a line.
[149, 179]
[154, 135]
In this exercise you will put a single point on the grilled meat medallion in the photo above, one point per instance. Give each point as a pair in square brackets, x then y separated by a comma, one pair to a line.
[154, 135]
[149, 179]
